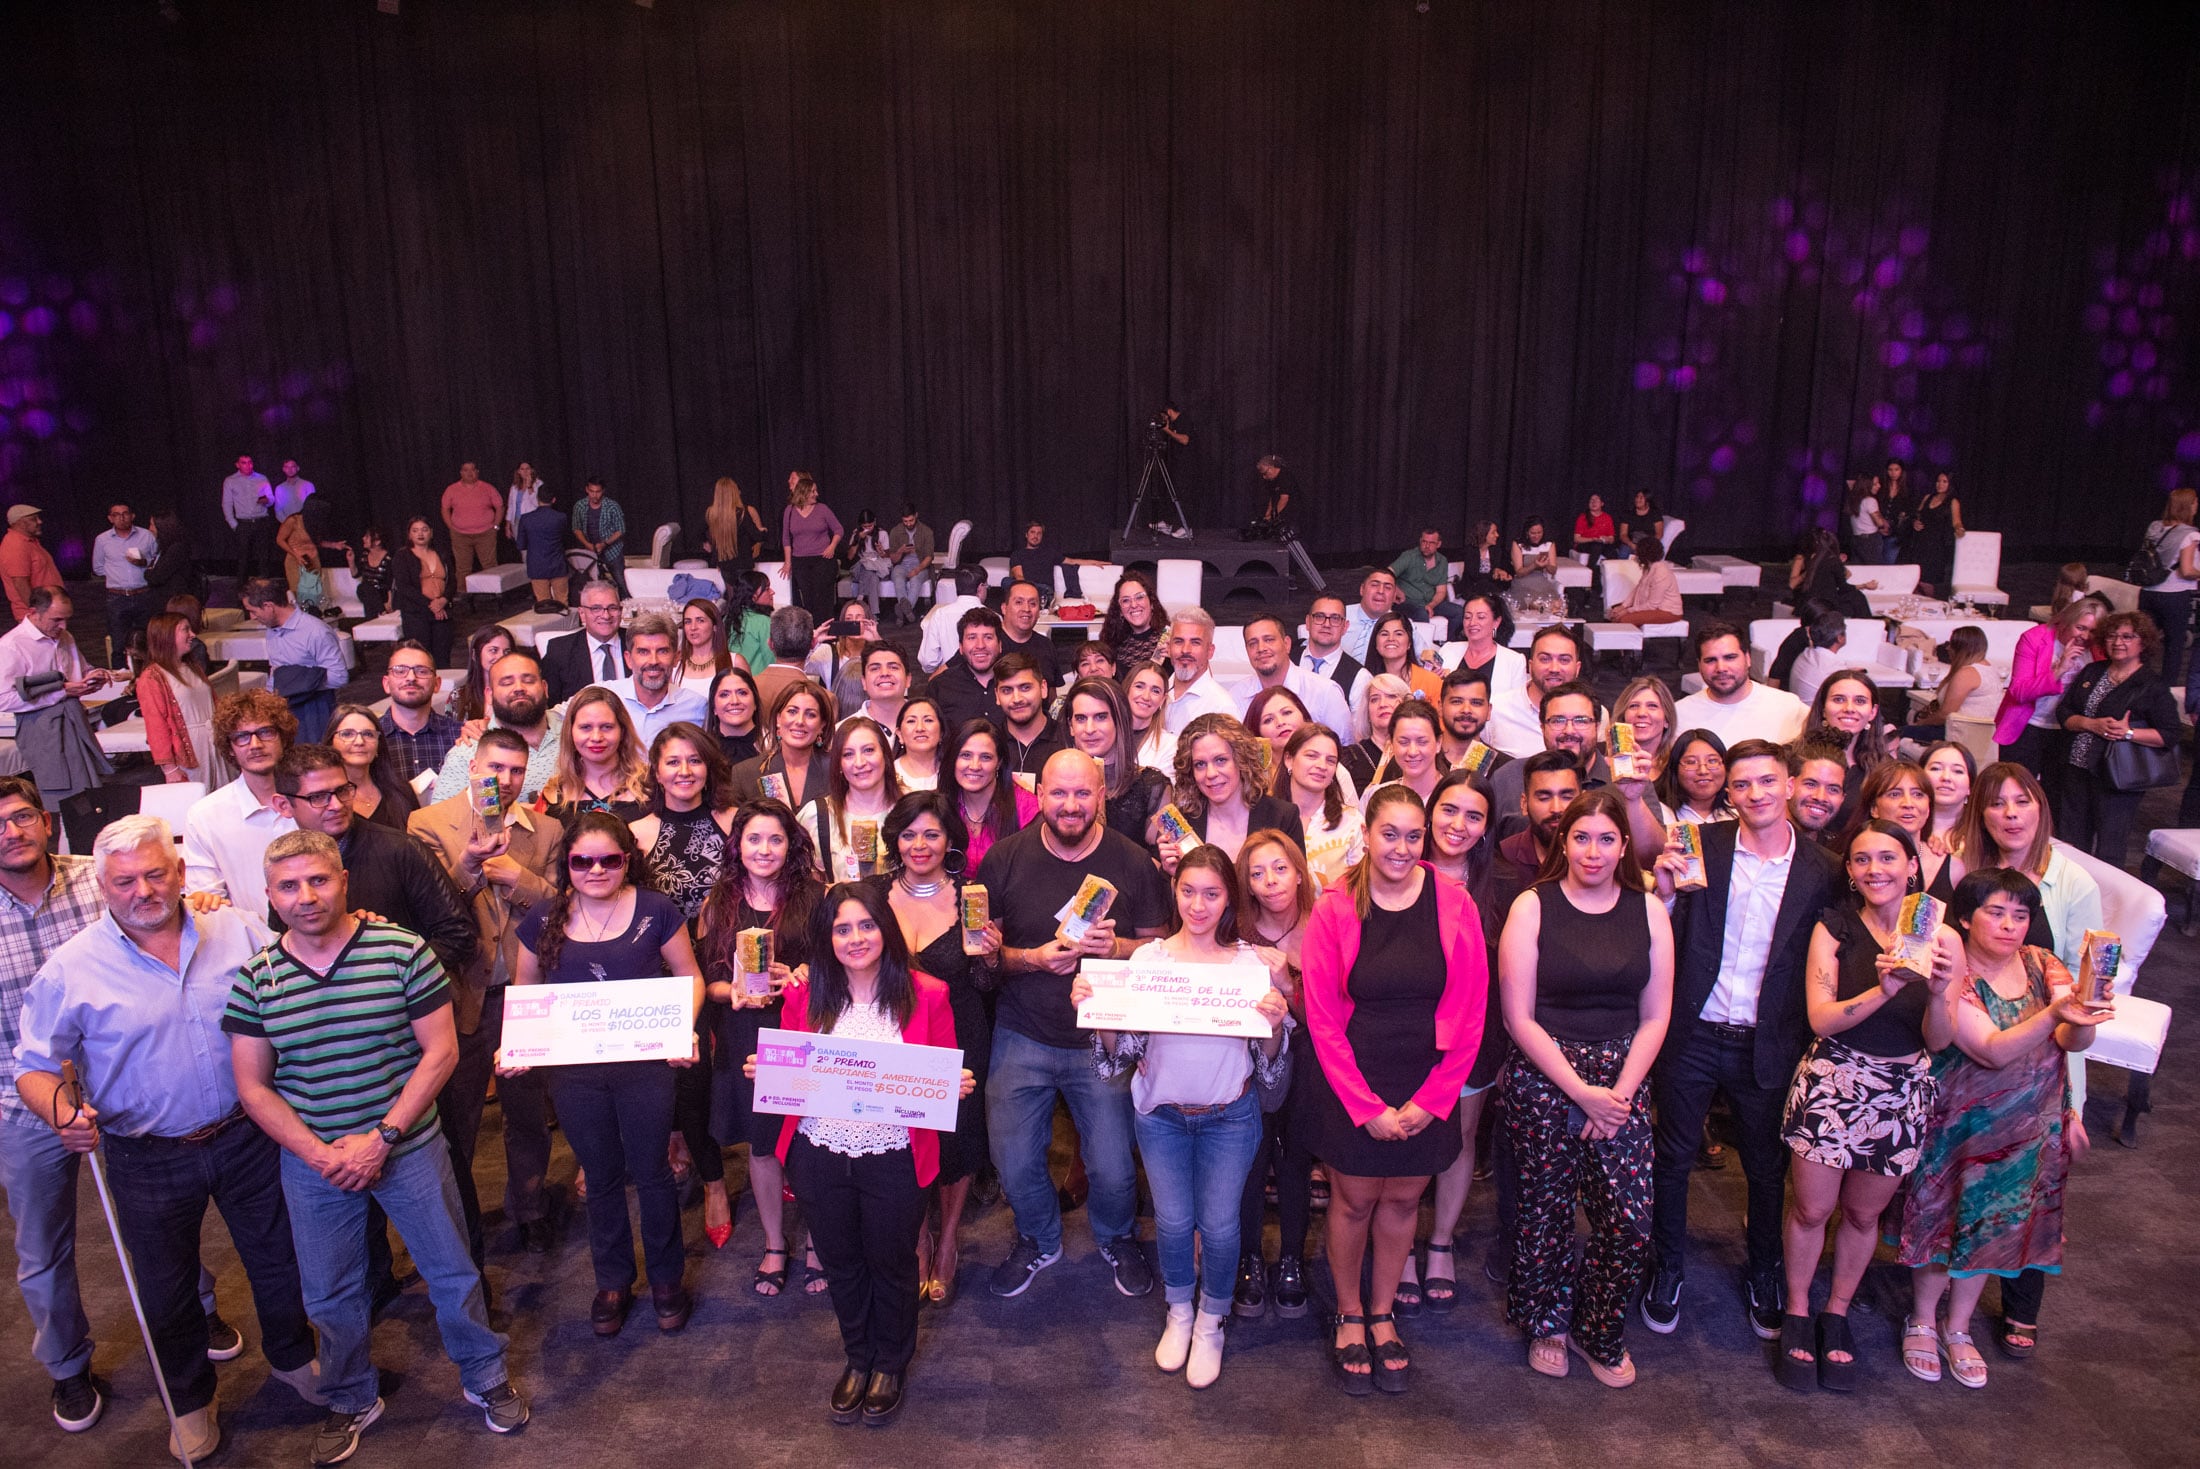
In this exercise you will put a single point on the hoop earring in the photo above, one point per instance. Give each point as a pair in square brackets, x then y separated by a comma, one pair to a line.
[954, 863]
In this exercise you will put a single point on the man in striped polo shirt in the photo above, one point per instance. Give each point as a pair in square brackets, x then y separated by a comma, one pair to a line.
[306, 1009]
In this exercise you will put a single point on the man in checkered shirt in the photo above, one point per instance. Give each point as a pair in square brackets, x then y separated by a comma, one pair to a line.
[45, 900]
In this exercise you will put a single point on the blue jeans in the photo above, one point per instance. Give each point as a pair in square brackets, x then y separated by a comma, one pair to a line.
[40, 1178]
[1196, 1167]
[1019, 1113]
[420, 1194]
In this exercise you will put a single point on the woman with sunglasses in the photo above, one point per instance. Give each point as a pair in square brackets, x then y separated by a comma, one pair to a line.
[790, 765]
[918, 730]
[770, 883]
[734, 704]
[380, 792]
[924, 845]
[844, 822]
[684, 841]
[607, 923]
[863, 1183]
[601, 763]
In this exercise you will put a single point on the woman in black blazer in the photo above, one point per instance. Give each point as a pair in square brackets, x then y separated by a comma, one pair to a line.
[1222, 783]
[423, 591]
[2114, 700]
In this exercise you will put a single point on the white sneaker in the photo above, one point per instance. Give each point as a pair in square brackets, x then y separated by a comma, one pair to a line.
[201, 1432]
[1182, 532]
[1176, 1339]
[1205, 1362]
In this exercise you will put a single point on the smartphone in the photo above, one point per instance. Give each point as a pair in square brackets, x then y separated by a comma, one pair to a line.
[845, 628]
[1577, 1121]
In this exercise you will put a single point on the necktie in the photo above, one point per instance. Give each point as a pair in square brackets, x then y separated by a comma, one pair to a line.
[608, 671]
[1317, 664]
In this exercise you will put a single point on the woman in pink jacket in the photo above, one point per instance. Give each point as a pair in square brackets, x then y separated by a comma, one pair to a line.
[1397, 982]
[2049, 656]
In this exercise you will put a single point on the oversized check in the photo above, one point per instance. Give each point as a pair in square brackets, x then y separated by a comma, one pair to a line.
[1176, 997]
[803, 1074]
[601, 1020]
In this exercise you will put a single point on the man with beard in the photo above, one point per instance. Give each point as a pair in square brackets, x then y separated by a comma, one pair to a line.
[417, 737]
[964, 683]
[1549, 783]
[1268, 649]
[1571, 717]
[134, 1001]
[505, 864]
[226, 833]
[340, 1037]
[1465, 709]
[1740, 1024]
[651, 697]
[1820, 785]
[1020, 634]
[1731, 704]
[1031, 737]
[1193, 690]
[519, 700]
[1039, 1053]
[1555, 659]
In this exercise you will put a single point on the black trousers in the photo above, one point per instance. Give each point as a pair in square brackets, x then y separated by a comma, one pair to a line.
[691, 1111]
[864, 1214]
[1717, 1058]
[526, 1106]
[1284, 1145]
[256, 554]
[2093, 818]
[2021, 1296]
[435, 633]
[161, 1192]
[814, 578]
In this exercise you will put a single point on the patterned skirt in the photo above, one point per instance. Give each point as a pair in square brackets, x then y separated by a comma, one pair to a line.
[1849, 1110]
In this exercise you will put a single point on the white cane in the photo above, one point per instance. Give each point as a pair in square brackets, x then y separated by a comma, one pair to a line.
[74, 1091]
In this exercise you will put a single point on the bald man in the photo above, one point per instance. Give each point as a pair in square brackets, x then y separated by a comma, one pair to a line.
[1038, 1051]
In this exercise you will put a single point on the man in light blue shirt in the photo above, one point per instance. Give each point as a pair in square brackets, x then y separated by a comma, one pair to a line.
[248, 504]
[120, 555]
[291, 495]
[135, 1001]
[519, 700]
[652, 699]
[299, 645]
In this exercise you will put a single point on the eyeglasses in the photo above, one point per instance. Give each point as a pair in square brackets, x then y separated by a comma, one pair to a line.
[322, 800]
[354, 734]
[417, 673]
[30, 818]
[582, 862]
[245, 737]
[1570, 721]
[1325, 617]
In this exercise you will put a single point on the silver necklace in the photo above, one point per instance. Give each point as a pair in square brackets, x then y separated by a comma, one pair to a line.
[922, 889]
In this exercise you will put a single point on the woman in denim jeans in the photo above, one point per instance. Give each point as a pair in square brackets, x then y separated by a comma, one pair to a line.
[1198, 1115]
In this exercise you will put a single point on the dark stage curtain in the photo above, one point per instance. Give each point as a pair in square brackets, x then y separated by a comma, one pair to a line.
[1483, 260]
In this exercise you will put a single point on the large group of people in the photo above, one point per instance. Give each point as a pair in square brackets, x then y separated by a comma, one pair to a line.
[1484, 948]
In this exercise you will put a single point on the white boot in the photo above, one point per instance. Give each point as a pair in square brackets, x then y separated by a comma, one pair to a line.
[1205, 1364]
[1176, 1339]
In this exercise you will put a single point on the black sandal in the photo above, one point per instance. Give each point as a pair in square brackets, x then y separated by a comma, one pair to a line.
[1405, 1299]
[1442, 1291]
[1388, 1377]
[1788, 1369]
[1834, 1336]
[776, 1279]
[2010, 1349]
[1353, 1354]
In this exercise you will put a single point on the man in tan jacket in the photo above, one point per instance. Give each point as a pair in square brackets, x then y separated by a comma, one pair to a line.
[505, 863]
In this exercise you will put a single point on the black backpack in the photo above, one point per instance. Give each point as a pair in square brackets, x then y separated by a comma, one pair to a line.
[2146, 568]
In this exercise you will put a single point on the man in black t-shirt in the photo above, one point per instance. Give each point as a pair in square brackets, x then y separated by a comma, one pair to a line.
[1038, 1051]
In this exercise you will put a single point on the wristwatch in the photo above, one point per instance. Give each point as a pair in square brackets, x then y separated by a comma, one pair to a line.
[391, 1136]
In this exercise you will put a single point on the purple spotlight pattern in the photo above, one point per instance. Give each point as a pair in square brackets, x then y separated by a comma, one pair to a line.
[2144, 391]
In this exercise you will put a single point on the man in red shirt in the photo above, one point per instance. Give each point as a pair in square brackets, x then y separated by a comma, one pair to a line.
[24, 563]
[471, 509]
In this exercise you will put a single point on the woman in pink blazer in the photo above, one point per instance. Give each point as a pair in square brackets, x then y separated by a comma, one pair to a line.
[1397, 984]
[862, 1184]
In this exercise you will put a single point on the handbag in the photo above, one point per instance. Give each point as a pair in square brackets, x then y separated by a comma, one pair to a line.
[2131, 767]
[2145, 569]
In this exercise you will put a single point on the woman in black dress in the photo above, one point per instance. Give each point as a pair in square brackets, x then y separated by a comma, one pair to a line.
[735, 715]
[924, 843]
[683, 842]
[1898, 791]
[772, 884]
[1396, 981]
[1586, 963]
[1936, 522]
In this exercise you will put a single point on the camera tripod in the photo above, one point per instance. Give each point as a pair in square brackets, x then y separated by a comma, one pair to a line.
[1156, 464]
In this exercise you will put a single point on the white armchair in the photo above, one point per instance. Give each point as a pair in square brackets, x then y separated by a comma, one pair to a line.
[1977, 571]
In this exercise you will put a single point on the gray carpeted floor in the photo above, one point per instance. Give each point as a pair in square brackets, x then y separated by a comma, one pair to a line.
[1064, 1374]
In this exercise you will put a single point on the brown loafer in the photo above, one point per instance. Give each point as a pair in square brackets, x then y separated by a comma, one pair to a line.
[608, 1311]
[674, 1306]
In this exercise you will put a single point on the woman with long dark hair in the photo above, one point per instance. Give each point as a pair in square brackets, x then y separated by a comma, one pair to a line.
[1196, 1109]
[1898, 792]
[683, 841]
[703, 651]
[1098, 722]
[607, 923]
[844, 822]
[919, 728]
[1586, 964]
[1972, 687]
[380, 792]
[1390, 650]
[862, 1183]
[990, 804]
[770, 883]
[1858, 1107]
[484, 646]
[1416, 743]
[1845, 713]
[735, 708]
[790, 765]
[1136, 622]
[421, 587]
[925, 850]
[1691, 785]
[1310, 777]
[178, 705]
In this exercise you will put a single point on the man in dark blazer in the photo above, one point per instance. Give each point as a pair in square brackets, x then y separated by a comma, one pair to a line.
[1740, 1023]
[572, 661]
